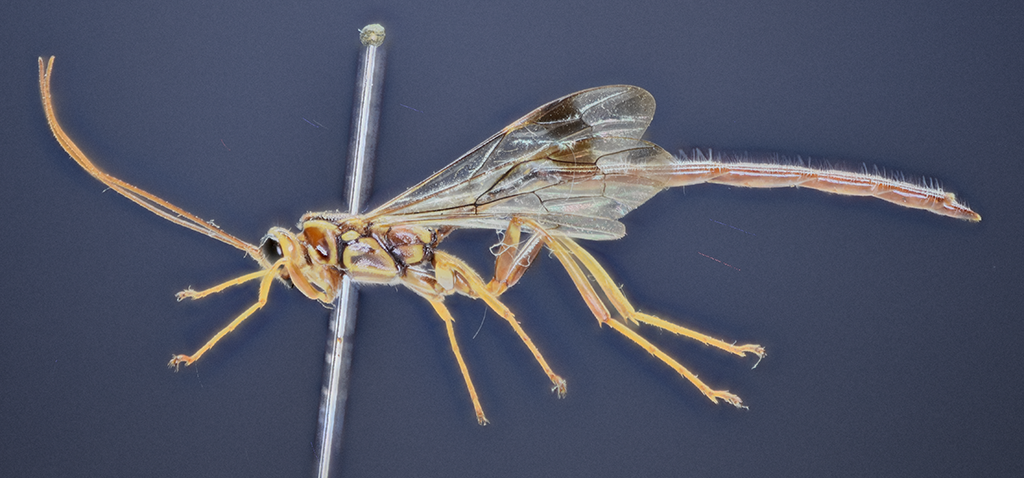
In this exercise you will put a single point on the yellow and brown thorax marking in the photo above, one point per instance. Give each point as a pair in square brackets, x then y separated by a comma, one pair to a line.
[330, 246]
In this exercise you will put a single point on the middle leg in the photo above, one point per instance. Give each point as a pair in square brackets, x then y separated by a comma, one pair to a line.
[468, 282]
[448, 321]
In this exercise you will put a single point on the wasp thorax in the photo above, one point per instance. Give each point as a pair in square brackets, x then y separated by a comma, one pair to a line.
[304, 259]
[320, 241]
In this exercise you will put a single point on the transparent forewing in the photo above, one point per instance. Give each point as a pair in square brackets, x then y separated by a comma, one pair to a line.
[584, 190]
[579, 190]
[622, 111]
[575, 165]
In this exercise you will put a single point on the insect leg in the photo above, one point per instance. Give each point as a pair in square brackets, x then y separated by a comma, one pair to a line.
[714, 395]
[622, 305]
[196, 295]
[513, 260]
[448, 321]
[571, 262]
[268, 279]
[475, 287]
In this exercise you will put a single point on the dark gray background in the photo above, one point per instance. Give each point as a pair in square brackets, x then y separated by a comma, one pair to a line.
[893, 335]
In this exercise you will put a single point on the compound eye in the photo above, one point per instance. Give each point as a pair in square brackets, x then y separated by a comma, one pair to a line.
[271, 249]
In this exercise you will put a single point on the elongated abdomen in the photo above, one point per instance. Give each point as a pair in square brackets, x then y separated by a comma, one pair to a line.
[767, 174]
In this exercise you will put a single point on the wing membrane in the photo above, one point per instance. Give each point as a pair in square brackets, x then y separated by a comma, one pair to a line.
[574, 165]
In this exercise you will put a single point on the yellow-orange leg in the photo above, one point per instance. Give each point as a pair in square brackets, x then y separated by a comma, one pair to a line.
[512, 260]
[195, 295]
[448, 321]
[618, 300]
[476, 288]
[267, 279]
[569, 254]
[712, 394]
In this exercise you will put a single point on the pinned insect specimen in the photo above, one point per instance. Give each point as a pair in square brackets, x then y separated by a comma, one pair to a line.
[566, 171]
